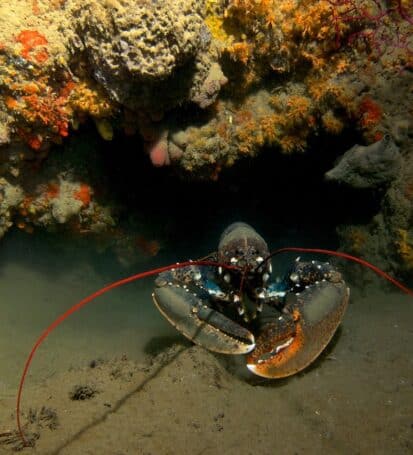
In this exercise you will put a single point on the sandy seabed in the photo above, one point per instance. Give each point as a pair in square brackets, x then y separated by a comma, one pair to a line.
[357, 398]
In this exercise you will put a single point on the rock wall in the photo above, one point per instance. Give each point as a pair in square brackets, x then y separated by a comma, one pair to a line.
[204, 83]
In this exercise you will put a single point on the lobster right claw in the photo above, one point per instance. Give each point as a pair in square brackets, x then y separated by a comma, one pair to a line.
[194, 318]
[293, 340]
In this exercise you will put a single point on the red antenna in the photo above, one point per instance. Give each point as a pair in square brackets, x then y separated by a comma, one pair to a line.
[349, 257]
[84, 302]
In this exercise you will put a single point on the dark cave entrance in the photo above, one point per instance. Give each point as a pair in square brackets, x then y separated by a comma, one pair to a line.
[285, 197]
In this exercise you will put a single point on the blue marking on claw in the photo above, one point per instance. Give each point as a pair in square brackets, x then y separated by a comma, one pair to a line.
[277, 289]
[213, 288]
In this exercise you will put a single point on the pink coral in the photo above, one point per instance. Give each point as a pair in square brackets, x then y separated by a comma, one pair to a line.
[158, 152]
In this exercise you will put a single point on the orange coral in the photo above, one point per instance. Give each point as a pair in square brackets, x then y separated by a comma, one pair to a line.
[52, 191]
[30, 40]
[247, 12]
[370, 113]
[223, 130]
[35, 142]
[316, 87]
[331, 123]
[291, 144]
[269, 128]
[88, 98]
[270, 19]
[30, 88]
[313, 21]
[83, 194]
[247, 137]
[298, 107]
[295, 118]
[240, 52]
[318, 62]
[43, 113]
[307, 30]
[243, 116]
[47, 111]
[342, 65]
[67, 89]
[11, 103]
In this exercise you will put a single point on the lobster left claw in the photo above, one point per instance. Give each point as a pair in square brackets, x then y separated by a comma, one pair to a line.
[298, 335]
[200, 323]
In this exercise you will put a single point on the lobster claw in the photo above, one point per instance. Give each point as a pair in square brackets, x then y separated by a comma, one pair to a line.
[197, 321]
[294, 339]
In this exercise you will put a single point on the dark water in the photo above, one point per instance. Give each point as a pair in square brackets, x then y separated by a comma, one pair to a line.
[279, 195]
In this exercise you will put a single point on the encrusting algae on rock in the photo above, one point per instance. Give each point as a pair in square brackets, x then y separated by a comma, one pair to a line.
[204, 83]
[292, 50]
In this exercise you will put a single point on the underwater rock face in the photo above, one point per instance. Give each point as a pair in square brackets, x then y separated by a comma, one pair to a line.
[137, 49]
[204, 84]
[368, 166]
[10, 197]
[387, 238]
[4, 130]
